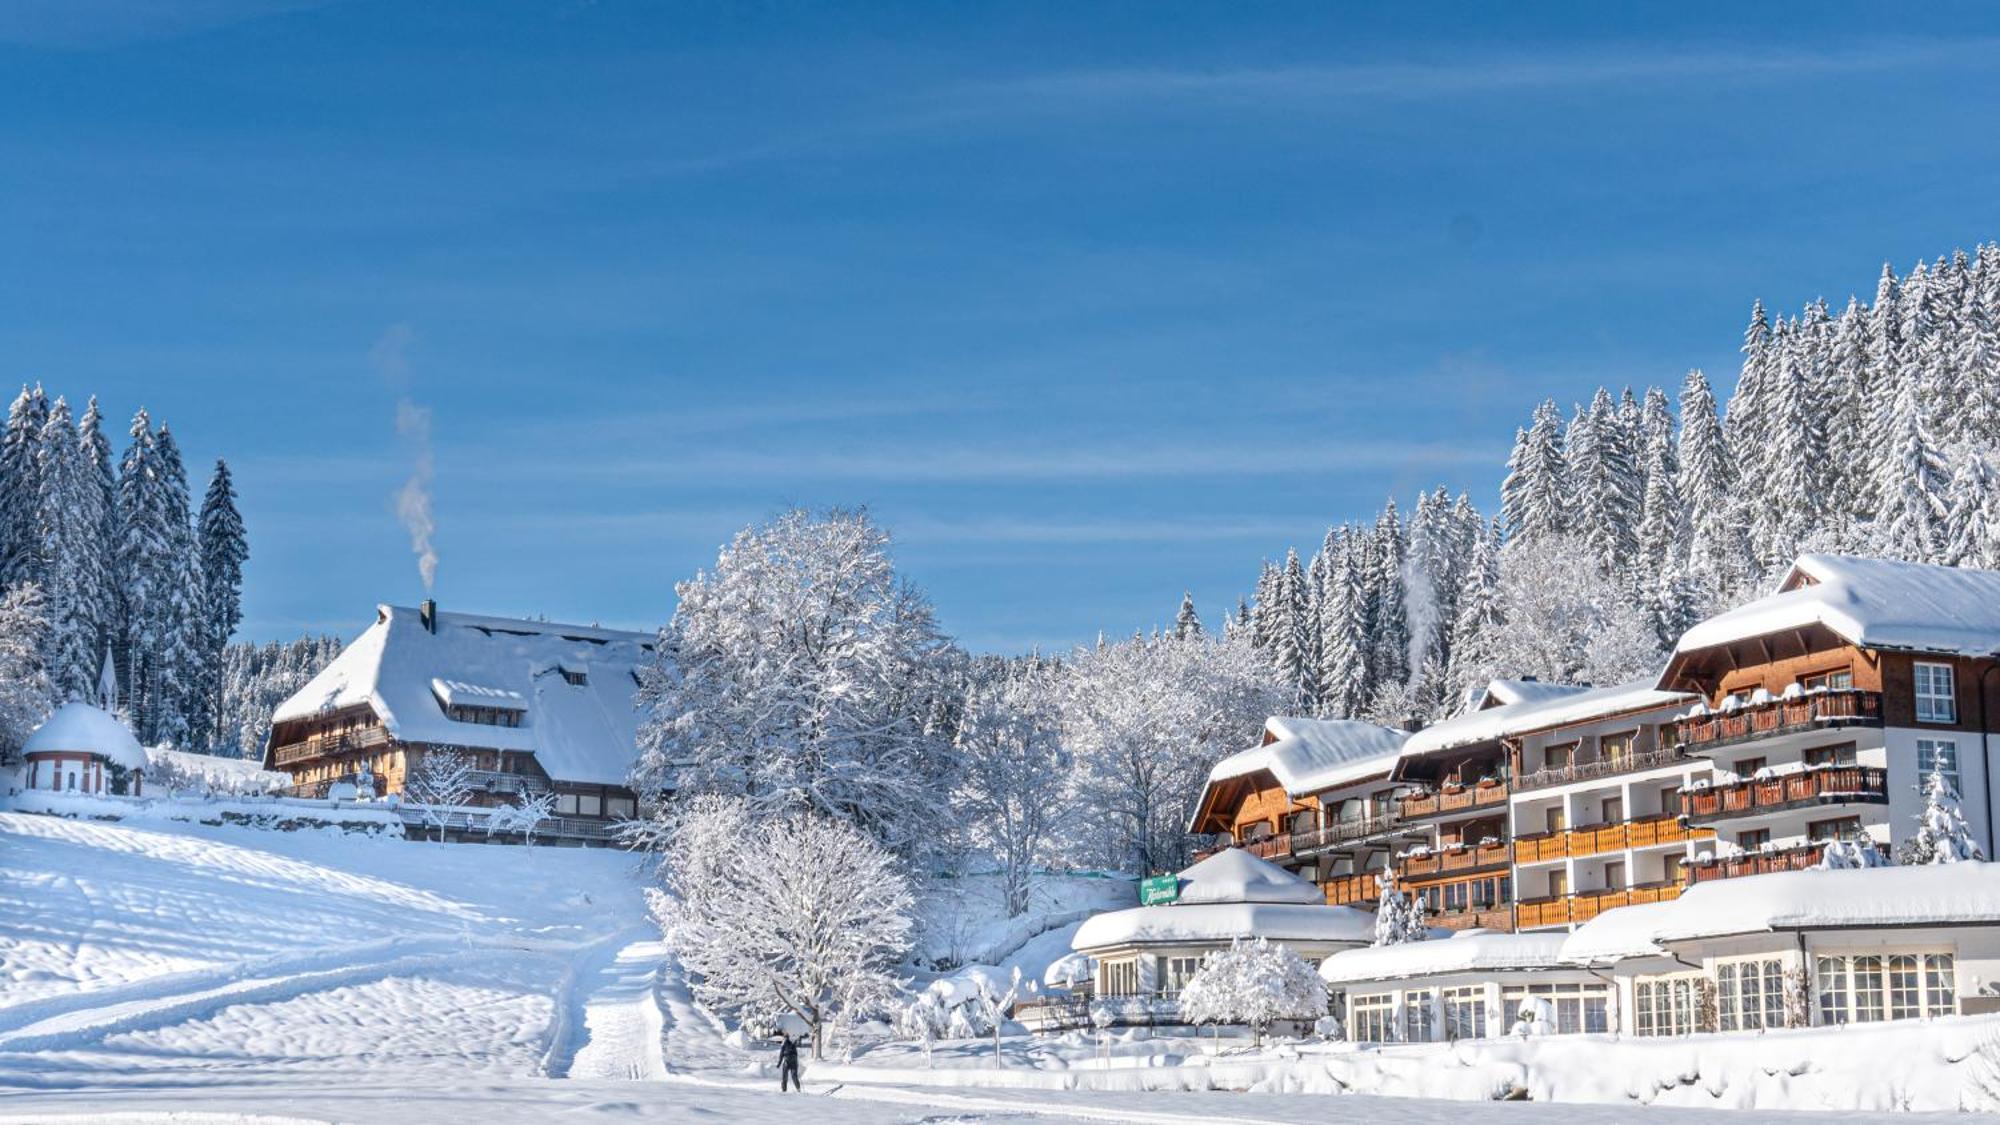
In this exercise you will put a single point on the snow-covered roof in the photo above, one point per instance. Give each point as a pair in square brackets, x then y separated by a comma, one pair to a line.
[1464, 952]
[1618, 933]
[583, 732]
[1222, 922]
[1873, 896]
[1554, 710]
[1499, 693]
[1234, 875]
[1311, 755]
[80, 727]
[1874, 603]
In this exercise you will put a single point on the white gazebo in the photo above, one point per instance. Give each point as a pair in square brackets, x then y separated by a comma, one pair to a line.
[1149, 952]
[83, 749]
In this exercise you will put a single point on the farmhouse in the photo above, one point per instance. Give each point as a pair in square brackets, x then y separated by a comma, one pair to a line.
[537, 706]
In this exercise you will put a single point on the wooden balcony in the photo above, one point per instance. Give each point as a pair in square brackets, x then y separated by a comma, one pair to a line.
[1565, 910]
[1445, 801]
[322, 745]
[1343, 832]
[1757, 863]
[1598, 839]
[1597, 768]
[1270, 847]
[1350, 890]
[1816, 711]
[1830, 785]
[1500, 917]
[1453, 861]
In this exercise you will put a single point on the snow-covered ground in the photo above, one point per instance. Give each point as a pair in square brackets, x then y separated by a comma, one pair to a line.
[169, 969]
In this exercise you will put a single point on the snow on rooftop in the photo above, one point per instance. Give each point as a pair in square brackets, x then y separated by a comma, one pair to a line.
[1502, 692]
[1619, 933]
[1555, 710]
[1310, 755]
[81, 727]
[1874, 603]
[1234, 875]
[1221, 922]
[579, 732]
[1464, 952]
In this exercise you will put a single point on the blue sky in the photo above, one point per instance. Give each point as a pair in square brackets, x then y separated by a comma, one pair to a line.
[1089, 303]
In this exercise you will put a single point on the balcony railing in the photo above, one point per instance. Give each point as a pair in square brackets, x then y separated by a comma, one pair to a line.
[1344, 832]
[1596, 768]
[1564, 910]
[1440, 802]
[1496, 917]
[1348, 890]
[1826, 785]
[1758, 863]
[1597, 839]
[1818, 710]
[1450, 861]
[319, 745]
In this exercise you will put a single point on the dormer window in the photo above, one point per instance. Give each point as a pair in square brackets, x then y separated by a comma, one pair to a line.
[575, 677]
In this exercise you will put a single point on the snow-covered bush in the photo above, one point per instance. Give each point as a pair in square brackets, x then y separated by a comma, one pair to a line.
[1255, 984]
[441, 782]
[923, 1020]
[994, 1008]
[1942, 835]
[525, 815]
[799, 915]
[1398, 917]
[1847, 855]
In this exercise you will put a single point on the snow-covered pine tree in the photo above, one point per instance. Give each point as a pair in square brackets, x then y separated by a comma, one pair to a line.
[224, 547]
[1294, 647]
[1942, 835]
[1909, 481]
[1717, 548]
[1748, 405]
[1793, 489]
[25, 694]
[1846, 390]
[96, 500]
[1603, 484]
[21, 556]
[1266, 606]
[140, 546]
[1972, 525]
[1476, 628]
[1344, 685]
[1399, 917]
[69, 530]
[1187, 623]
[1534, 496]
[1389, 631]
[178, 666]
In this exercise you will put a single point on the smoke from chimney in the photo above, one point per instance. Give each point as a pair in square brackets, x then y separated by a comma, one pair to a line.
[413, 426]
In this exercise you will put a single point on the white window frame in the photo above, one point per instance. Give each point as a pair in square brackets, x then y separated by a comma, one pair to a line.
[1862, 987]
[1750, 993]
[1464, 1011]
[1935, 705]
[1372, 1018]
[1667, 1005]
[1928, 750]
[1584, 1008]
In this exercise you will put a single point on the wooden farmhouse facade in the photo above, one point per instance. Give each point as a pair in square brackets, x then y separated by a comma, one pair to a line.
[535, 706]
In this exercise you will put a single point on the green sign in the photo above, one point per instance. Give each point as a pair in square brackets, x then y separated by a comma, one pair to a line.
[1159, 890]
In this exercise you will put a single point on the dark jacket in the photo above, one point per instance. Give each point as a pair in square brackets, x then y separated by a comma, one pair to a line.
[788, 1053]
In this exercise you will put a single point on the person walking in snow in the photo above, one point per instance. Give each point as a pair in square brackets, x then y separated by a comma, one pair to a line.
[788, 1064]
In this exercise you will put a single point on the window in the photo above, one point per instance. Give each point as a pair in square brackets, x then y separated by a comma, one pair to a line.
[1572, 1008]
[1612, 810]
[1869, 988]
[1936, 702]
[1753, 839]
[1465, 1012]
[620, 807]
[589, 804]
[565, 804]
[1842, 755]
[1372, 1018]
[1937, 753]
[1552, 818]
[1615, 748]
[1842, 680]
[1121, 978]
[1614, 875]
[575, 677]
[1748, 767]
[1559, 757]
[1420, 1011]
[1667, 1005]
[1839, 828]
[1750, 995]
[1179, 970]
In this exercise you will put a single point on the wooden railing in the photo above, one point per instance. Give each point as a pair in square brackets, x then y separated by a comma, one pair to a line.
[1596, 768]
[1821, 786]
[1594, 840]
[1448, 861]
[1846, 707]
[1564, 910]
[1758, 863]
[1500, 917]
[1439, 802]
[1270, 847]
[1349, 890]
[317, 745]
[1343, 831]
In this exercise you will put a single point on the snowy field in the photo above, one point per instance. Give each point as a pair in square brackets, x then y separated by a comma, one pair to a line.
[178, 971]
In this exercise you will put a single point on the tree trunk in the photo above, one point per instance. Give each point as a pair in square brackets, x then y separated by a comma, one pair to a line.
[818, 1044]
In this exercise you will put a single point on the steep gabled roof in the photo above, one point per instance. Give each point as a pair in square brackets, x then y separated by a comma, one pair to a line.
[584, 733]
[1873, 603]
[1308, 756]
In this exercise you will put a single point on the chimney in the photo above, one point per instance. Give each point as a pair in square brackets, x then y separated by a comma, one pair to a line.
[427, 612]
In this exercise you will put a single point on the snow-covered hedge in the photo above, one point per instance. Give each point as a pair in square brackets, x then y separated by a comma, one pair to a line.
[273, 813]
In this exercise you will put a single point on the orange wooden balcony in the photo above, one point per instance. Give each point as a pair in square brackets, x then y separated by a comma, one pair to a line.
[1816, 711]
